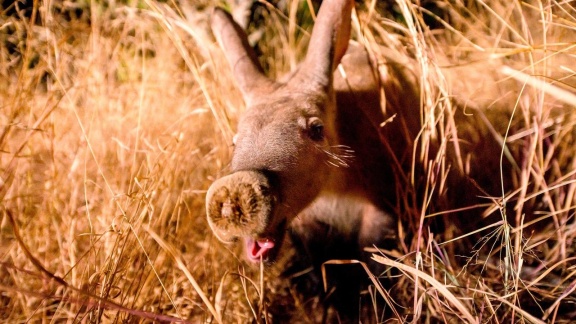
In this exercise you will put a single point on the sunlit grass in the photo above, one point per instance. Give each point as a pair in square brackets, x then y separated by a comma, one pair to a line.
[116, 117]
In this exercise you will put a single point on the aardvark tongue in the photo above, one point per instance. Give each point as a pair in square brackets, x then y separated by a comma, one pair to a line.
[257, 249]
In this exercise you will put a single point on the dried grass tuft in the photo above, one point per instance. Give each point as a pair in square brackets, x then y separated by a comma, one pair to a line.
[116, 117]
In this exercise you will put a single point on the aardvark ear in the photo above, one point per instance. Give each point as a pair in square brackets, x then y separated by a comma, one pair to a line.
[247, 71]
[329, 41]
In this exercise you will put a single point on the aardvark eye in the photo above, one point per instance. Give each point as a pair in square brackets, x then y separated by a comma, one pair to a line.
[316, 129]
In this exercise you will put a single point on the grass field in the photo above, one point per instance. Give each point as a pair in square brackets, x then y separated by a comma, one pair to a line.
[115, 117]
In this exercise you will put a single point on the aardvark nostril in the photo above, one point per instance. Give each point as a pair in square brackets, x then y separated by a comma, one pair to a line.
[227, 209]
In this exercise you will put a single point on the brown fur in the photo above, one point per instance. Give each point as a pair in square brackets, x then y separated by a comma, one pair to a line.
[341, 179]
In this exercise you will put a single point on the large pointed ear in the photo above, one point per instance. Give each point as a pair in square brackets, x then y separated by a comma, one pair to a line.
[329, 41]
[245, 67]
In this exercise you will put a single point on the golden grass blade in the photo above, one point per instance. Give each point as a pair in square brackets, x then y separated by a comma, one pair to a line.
[245, 279]
[176, 255]
[35, 262]
[569, 290]
[219, 293]
[192, 63]
[108, 304]
[556, 92]
[94, 299]
[522, 312]
[498, 223]
[464, 312]
[373, 278]
[548, 270]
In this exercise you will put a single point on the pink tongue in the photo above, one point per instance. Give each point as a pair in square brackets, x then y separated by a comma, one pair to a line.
[257, 249]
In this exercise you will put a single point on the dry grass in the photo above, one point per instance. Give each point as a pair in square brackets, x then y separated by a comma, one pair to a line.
[116, 118]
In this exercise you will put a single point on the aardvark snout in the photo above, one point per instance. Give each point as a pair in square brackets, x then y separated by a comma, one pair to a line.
[240, 205]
